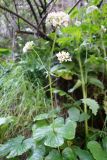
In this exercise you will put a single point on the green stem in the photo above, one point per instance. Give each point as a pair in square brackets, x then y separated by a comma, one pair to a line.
[84, 95]
[49, 72]
[104, 51]
[40, 59]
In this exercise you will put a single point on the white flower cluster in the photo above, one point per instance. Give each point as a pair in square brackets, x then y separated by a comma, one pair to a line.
[63, 57]
[90, 9]
[103, 28]
[28, 46]
[58, 19]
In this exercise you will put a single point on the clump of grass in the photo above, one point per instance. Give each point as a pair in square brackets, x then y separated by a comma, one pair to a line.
[22, 96]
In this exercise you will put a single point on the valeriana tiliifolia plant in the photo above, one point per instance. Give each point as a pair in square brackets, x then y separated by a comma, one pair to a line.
[57, 20]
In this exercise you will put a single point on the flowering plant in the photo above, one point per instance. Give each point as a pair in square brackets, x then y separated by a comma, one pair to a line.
[76, 88]
[58, 19]
[63, 56]
[28, 46]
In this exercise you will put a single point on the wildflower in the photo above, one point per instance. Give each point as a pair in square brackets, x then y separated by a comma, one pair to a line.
[85, 3]
[28, 46]
[58, 19]
[77, 23]
[103, 28]
[28, 29]
[63, 56]
[90, 9]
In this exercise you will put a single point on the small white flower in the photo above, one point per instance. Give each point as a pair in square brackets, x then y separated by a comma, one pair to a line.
[90, 9]
[58, 19]
[85, 3]
[28, 46]
[77, 23]
[63, 56]
[103, 28]
[28, 29]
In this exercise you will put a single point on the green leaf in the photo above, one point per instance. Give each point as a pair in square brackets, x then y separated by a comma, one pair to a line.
[58, 91]
[44, 116]
[77, 85]
[20, 147]
[82, 154]
[74, 31]
[41, 117]
[68, 154]
[5, 120]
[96, 150]
[91, 9]
[53, 155]
[104, 141]
[54, 134]
[53, 140]
[74, 114]
[4, 149]
[96, 82]
[74, 13]
[68, 130]
[42, 132]
[4, 51]
[64, 41]
[38, 153]
[58, 122]
[93, 105]
[15, 147]
[83, 117]
[64, 73]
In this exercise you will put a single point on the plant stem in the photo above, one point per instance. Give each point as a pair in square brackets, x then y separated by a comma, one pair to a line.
[49, 72]
[84, 95]
[104, 51]
[40, 59]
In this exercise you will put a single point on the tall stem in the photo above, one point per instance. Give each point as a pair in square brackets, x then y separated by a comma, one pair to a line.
[84, 94]
[104, 51]
[40, 59]
[49, 74]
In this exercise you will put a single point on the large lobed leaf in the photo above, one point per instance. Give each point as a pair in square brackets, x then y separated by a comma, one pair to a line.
[15, 147]
[54, 134]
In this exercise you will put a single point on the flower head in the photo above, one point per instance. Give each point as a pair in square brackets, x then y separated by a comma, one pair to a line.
[28, 46]
[58, 19]
[85, 3]
[103, 28]
[63, 57]
[28, 29]
[90, 9]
